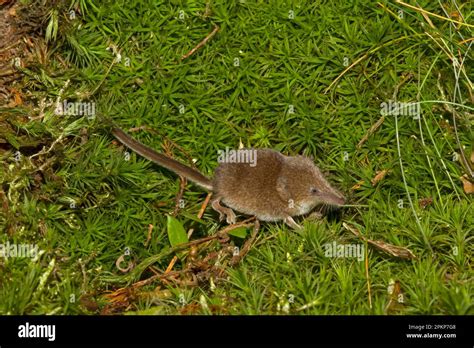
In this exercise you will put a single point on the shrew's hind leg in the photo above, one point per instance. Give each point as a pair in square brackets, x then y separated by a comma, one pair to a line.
[223, 211]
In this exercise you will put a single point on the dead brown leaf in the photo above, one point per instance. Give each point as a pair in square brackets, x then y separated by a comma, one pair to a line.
[401, 252]
[118, 301]
[455, 15]
[192, 308]
[396, 298]
[357, 186]
[424, 202]
[89, 303]
[468, 186]
[379, 176]
[17, 100]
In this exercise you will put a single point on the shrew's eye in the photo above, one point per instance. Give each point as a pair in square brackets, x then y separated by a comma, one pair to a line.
[314, 190]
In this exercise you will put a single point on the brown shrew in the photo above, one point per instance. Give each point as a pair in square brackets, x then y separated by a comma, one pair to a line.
[274, 188]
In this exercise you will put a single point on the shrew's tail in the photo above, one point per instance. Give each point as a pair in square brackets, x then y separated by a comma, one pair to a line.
[162, 160]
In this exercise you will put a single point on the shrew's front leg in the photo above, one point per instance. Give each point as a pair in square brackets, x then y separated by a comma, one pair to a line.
[292, 223]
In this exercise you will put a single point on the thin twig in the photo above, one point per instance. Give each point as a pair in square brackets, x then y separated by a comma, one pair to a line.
[190, 232]
[456, 88]
[204, 205]
[202, 43]
[179, 196]
[44, 151]
[371, 131]
[418, 9]
[428, 160]
[104, 78]
[391, 42]
[171, 264]
[466, 41]
[382, 118]
[344, 71]
[148, 238]
[393, 250]
[405, 184]
[218, 235]
[248, 244]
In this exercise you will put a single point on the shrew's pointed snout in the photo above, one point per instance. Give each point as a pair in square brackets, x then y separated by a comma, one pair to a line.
[340, 200]
[336, 200]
